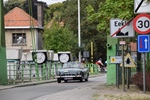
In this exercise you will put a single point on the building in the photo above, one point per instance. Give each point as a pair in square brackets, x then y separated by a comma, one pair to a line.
[22, 30]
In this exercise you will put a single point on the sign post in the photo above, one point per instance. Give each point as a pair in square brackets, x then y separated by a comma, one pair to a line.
[144, 46]
[144, 76]
[123, 69]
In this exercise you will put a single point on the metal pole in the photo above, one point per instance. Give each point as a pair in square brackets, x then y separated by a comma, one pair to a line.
[117, 68]
[144, 76]
[79, 35]
[117, 76]
[123, 85]
[128, 86]
[3, 65]
[91, 52]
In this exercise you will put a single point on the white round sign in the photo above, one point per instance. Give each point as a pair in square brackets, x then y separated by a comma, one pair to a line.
[141, 24]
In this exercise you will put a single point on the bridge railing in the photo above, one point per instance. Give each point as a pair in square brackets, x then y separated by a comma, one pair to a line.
[30, 71]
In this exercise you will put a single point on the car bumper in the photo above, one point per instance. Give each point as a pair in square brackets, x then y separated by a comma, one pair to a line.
[78, 77]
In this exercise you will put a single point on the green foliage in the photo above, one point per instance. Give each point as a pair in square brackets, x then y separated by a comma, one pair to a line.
[89, 32]
[140, 65]
[54, 11]
[111, 9]
[59, 39]
[148, 65]
[67, 12]
[10, 4]
[28, 6]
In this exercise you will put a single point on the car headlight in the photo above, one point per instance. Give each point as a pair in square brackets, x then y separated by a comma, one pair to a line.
[58, 73]
[79, 72]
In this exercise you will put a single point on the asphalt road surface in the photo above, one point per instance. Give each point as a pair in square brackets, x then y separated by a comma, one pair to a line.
[32, 92]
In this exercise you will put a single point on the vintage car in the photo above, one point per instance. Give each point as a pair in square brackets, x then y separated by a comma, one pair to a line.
[73, 71]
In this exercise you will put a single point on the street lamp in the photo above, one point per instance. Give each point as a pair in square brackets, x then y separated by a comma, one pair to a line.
[79, 35]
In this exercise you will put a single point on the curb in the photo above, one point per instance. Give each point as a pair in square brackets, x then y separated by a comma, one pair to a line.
[35, 83]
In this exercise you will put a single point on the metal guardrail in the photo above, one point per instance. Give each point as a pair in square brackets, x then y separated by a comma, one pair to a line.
[28, 72]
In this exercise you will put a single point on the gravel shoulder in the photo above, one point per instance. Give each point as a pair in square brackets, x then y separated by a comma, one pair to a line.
[111, 92]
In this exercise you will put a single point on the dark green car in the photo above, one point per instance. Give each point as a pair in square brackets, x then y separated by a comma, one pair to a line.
[73, 71]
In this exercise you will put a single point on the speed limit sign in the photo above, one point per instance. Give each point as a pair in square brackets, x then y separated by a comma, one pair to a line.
[141, 23]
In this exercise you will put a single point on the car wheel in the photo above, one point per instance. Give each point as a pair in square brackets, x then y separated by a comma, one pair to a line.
[87, 78]
[58, 80]
[81, 79]
[66, 81]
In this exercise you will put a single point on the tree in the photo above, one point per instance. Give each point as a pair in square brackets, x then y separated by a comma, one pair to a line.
[54, 11]
[67, 12]
[122, 9]
[10, 4]
[28, 6]
[58, 38]
[89, 32]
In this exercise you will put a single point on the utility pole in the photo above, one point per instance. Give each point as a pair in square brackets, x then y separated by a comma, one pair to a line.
[91, 52]
[3, 65]
[79, 30]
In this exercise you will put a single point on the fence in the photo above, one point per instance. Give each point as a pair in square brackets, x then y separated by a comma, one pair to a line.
[26, 72]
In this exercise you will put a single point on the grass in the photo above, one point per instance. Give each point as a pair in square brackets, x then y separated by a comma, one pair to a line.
[108, 92]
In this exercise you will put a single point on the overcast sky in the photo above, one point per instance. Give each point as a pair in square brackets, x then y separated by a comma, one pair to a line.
[52, 1]
[49, 1]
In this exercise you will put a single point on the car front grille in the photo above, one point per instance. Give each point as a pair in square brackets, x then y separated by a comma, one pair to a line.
[68, 74]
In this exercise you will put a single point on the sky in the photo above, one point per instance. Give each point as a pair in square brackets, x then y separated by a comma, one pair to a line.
[52, 1]
[49, 1]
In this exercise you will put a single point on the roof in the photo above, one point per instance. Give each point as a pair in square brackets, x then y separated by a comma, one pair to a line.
[19, 18]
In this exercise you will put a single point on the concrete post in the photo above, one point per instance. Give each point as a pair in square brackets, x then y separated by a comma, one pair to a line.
[111, 51]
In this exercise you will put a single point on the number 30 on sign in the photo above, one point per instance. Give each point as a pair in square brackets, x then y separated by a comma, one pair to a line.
[141, 23]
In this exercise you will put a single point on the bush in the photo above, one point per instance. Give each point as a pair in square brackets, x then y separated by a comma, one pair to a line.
[148, 66]
[137, 79]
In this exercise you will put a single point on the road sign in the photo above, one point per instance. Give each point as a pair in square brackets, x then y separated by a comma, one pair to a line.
[143, 43]
[141, 23]
[116, 59]
[144, 8]
[117, 24]
[128, 61]
[86, 54]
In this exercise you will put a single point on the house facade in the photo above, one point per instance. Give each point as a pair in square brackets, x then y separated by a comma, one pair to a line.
[22, 30]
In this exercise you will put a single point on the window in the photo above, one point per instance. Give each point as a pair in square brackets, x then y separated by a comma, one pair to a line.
[18, 38]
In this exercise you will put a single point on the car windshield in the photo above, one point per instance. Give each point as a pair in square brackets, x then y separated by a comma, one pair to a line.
[72, 65]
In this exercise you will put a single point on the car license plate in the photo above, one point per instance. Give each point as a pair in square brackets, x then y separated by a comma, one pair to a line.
[68, 78]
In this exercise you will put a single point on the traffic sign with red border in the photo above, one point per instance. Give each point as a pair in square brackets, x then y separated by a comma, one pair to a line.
[141, 23]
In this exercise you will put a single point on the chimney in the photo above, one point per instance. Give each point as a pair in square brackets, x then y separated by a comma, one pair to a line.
[40, 13]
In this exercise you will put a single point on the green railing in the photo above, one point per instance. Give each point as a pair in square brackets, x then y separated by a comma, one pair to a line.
[28, 72]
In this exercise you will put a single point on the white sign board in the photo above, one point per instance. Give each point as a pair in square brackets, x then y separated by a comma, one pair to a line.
[116, 59]
[116, 24]
[144, 8]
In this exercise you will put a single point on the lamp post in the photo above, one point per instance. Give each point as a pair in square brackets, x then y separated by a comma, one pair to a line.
[79, 35]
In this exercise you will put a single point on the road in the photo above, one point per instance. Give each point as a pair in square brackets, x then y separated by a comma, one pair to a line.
[32, 92]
